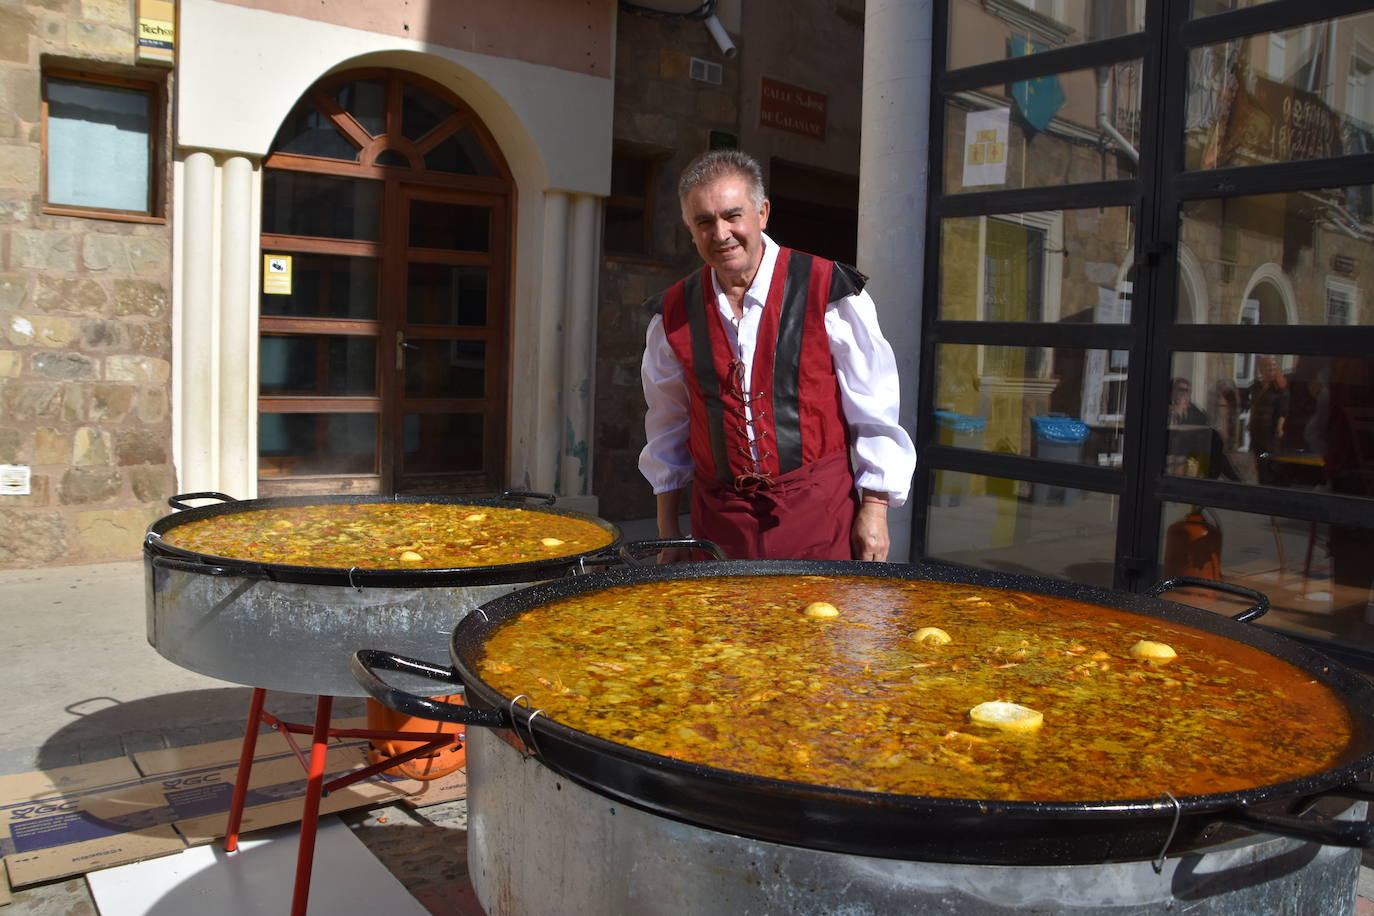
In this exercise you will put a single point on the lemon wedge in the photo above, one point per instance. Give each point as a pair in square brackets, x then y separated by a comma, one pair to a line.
[411, 556]
[932, 636]
[1010, 717]
[821, 609]
[550, 542]
[1149, 651]
[476, 517]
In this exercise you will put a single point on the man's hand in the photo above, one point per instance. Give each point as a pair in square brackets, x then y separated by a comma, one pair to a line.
[868, 539]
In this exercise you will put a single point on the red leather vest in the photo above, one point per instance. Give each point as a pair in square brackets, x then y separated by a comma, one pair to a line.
[795, 400]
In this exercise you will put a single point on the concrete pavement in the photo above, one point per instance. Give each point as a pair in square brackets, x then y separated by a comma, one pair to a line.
[83, 684]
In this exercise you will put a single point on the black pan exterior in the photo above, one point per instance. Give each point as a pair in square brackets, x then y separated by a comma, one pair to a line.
[154, 546]
[925, 828]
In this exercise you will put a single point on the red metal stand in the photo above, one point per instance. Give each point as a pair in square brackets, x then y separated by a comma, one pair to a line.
[315, 787]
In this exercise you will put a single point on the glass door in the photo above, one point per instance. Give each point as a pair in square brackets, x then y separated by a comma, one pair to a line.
[1147, 336]
[450, 344]
[383, 311]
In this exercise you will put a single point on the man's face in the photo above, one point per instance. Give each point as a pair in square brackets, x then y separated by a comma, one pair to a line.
[727, 229]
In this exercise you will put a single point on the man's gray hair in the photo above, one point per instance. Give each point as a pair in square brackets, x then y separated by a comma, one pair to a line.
[721, 163]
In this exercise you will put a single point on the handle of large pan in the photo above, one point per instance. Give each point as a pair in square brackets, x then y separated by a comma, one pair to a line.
[637, 553]
[366, 660]
[547, 499]
[1328, 831]
[179, 501]
[1254, 612]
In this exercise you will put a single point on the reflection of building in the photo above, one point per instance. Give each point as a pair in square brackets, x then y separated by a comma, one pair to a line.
[1207, 194]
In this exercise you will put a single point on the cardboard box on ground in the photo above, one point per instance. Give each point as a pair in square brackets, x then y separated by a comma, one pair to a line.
[73, 820]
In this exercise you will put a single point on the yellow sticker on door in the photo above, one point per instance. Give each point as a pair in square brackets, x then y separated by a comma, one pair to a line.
[276, 274]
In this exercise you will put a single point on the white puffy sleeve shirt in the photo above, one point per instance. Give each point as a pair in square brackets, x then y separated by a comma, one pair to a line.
[884, 457]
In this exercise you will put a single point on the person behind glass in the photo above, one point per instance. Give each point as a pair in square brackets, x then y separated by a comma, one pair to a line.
[763, 372]
[1195, 447]
[1269, 402]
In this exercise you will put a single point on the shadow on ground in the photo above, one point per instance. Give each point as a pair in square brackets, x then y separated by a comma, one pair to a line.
[107, 727]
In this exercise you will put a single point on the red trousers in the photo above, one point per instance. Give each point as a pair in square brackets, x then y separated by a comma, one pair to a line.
[806, 514]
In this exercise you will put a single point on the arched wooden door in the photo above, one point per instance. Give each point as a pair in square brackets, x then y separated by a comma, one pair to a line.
[386, 227]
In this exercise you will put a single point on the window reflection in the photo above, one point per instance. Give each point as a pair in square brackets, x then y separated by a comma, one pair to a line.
[1015, 526]
[1053, 265]
[1294, 258]
[1304, 93]
[981, 32]
[1061, 404]
[296, 444]
[1297, 422]
[1064, 128]
[1317, 576]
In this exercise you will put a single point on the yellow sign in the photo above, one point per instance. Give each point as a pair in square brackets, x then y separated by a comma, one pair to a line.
[156, 31]
[276, 274]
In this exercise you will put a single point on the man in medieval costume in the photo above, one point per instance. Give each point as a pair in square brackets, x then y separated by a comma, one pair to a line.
[770, 388]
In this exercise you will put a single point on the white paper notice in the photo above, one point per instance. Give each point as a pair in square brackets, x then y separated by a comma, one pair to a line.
[985, 147]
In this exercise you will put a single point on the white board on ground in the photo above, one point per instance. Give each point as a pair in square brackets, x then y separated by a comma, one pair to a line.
[259, 878]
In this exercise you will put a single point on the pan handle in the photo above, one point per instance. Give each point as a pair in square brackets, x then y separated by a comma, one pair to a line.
[636, 553]
[179, 501]
[365, 660]
[1325, 830]
[548, 498]
[1254, 612]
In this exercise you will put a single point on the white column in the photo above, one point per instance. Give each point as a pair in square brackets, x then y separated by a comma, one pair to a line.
[579, 354]
[195, 352]
[892, 190]
[237, 405]
[546, 367]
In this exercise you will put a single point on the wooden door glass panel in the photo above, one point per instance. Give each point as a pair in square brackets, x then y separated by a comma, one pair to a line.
[365, 100]
[440, 443]
[317, 365]
[392, 157]
[308, 131]
[421, 111]
[446, 368]
[446, 294]
[326, 286]
[321, 206]
[461, 153]
[294, 444]
[453, 227]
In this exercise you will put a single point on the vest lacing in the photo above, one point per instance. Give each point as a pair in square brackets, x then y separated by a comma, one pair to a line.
[752, 451]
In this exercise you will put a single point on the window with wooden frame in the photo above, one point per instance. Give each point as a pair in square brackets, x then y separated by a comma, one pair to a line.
[102, 146]
[629, 228]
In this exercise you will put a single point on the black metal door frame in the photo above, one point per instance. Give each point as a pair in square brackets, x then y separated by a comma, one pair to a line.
[1152, 337]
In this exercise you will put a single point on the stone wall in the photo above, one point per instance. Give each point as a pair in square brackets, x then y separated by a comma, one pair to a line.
[658, 108]
[817, 44]
[85, 317]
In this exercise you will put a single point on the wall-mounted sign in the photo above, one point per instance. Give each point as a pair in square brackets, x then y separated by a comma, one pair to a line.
[276, 274]
[156, 31]
[792, 108]
[985, 147]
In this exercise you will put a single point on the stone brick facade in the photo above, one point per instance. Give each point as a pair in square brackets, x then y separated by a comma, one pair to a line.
[662, 113]
[85, 316]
